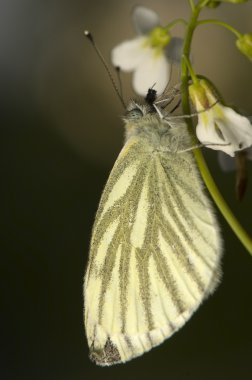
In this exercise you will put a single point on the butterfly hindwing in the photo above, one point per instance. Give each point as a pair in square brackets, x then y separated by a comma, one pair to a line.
[154, 255]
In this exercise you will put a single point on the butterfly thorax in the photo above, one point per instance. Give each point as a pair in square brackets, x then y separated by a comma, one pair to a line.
[159, 134]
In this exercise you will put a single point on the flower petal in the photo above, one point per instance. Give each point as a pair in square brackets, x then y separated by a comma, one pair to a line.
[224, 126]
[129, 54]
[236, 129]
[144, 19]
[208, 135]
[152, 72]
[173, 50]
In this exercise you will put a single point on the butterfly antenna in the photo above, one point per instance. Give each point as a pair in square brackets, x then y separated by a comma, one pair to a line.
[98, 52]
[119, 78]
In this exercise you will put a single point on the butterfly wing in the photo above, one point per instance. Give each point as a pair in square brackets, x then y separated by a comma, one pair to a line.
[154, 256]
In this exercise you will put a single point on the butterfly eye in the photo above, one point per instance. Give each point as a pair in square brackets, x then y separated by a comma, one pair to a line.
[135, 113]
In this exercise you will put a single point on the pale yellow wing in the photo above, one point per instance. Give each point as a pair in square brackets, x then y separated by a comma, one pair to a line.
[154, 255]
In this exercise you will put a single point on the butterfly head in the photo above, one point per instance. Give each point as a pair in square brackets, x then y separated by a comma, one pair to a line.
[136, 111]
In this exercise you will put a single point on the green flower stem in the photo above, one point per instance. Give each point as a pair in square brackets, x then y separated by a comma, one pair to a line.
[184, 69]
[192, 5]
[221, 23]
[175, 22]
[220, 202]
[190, 69]
[212, 188]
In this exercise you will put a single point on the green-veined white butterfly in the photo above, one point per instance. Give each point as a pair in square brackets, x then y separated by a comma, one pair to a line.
[155, 249]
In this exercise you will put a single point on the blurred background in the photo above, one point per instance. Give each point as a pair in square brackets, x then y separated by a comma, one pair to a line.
[60, 135]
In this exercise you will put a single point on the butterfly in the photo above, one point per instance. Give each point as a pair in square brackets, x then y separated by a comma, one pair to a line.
[156, 248]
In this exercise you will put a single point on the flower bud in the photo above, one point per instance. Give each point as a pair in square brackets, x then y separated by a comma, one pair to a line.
[244, 44]
[219, 127]
[201, 95]
[213, 4]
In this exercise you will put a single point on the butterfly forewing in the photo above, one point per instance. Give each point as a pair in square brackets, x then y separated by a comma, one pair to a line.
[155, 248]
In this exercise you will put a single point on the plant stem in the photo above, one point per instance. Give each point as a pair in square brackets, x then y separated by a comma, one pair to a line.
[220, 202]
[186, 52]
[174, 22]
[190, 69]
[212, 188]
[221, 23]
[192, 5]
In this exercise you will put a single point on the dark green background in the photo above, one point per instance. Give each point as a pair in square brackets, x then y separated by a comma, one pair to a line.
[60, 134]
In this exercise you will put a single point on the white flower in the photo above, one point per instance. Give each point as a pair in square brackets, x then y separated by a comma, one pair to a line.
[219, 127]
[227, 163]
[149, 54]
[222, 125]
